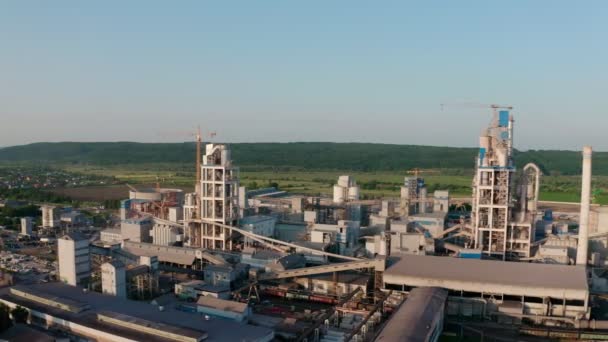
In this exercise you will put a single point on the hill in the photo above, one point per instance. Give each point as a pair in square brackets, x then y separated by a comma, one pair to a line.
[312, 156]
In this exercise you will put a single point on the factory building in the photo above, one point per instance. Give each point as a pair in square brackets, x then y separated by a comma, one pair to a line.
[193, 289]
[74, 259]
[546, 293]
[414, 197]
[346, 190]
[272, 261]
[26, 226]
[225, 275]
[500, 229]
[598, 220]
[431, 223]
[162, 203]
[110, 235]
[419, 319]
[258, 224]
[164, 234]
[492, 187]
[136, 229]
[72, 218]
[344, 235]
[176, 214]
[114, 279]
[411, 243]
[219, 192]
[290, 231]
[441, 201]
[341, 284]
[94, 316]
[221, 308]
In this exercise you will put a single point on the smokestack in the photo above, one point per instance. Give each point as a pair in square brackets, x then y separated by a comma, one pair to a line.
[583, 230]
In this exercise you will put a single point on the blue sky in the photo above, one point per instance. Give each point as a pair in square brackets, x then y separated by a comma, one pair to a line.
[365, 71]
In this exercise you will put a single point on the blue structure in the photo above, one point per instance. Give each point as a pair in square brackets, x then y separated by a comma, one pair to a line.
[503, 118]
[470, 254]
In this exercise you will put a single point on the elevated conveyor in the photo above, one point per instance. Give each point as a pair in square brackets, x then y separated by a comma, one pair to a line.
[377, 264]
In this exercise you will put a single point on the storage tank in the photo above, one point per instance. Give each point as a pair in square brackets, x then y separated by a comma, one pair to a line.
[225, 156]
[345, 181]
[353, 193]
[339, 194]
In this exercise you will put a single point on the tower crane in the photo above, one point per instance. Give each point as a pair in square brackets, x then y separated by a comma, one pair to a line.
[475, 105]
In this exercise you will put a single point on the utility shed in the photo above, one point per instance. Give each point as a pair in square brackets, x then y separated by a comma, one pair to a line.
[419, 318]
[541, 287]
[222, 308]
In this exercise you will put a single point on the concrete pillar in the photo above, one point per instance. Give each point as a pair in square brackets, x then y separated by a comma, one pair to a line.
[583, 230]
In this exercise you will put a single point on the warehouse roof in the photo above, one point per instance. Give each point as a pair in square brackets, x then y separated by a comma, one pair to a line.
[217, 329]
[532, 279]
[163, 254]
[417, 317]
[222, 304]
[24, 333]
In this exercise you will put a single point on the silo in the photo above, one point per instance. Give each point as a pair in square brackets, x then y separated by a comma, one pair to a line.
[353, 193]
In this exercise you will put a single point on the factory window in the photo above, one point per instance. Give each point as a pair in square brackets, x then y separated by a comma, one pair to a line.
[471, 294]
[575, 302]
[511, 298]
[394, 287]
[453, 293]
[533, 300]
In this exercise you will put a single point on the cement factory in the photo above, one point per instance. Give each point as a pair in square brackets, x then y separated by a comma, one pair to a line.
[225, 263]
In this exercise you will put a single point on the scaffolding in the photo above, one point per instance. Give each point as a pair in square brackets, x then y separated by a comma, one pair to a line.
[142, 282]
[491, 215]
[217, 201]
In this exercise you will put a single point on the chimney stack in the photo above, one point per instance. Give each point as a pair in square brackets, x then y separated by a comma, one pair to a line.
[583, 230]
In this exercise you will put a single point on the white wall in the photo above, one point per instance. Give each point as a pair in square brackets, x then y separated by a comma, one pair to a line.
[74, 260]
[113, 280]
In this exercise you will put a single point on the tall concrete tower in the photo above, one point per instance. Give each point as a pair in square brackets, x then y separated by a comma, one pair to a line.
[51, 216]
[114, 279]
[219, 191]
[73, 258]
[346, 190]
[26, 226]
[583, 230]
[492, 195]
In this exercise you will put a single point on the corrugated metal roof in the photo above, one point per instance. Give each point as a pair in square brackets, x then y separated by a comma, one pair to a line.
[415, 320]
[222, 304]
[218, 329]
[520, 277]
[163, 256]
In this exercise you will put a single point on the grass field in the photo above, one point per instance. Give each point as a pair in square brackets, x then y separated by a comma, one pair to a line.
[373, 184]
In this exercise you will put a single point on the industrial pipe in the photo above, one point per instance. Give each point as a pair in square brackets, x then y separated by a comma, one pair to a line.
[583, 230]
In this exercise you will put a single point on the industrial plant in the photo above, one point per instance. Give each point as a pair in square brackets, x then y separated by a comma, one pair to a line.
[227, 263]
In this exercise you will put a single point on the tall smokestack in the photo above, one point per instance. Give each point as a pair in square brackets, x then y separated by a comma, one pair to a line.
[583, 230]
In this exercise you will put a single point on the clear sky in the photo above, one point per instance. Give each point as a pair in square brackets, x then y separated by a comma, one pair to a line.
[364, 71]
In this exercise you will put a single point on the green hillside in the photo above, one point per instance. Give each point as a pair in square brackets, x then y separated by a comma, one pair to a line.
[317, 156]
